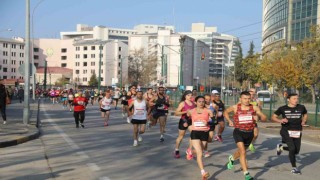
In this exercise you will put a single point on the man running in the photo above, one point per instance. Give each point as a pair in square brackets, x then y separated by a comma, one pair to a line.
[161, 109]
[200, 130]
[105, 107]
[185, 122]
[79, 109]
[294, 116]
[70, 100]
[220, 118]
[255, 102]
[244, 113]
[116, 96]
[147, 97]
[139, 117]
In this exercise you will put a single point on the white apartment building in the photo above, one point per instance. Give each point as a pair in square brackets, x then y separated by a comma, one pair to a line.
[192, 67]
[223, 49]
[151, 28]
[84, 31]
[12, 55]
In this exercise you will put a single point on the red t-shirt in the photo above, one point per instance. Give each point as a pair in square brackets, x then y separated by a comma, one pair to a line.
[79, 103]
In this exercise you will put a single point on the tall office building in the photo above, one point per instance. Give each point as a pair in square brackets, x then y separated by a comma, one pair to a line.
[287, 21]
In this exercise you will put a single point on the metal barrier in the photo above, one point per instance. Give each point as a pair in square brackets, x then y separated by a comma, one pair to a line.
[38, 123]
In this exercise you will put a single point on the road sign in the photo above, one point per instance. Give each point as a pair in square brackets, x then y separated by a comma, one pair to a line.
[32, 68]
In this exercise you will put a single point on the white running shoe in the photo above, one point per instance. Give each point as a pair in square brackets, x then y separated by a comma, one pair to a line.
[128, 120]
[123, 115]
[4, 122]
[139, 138]
[135, 143]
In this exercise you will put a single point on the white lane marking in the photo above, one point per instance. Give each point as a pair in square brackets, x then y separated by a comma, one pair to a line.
[104, 178]
[83, 155]
[93, 166]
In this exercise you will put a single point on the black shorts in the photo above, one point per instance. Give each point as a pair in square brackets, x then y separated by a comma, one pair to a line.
[182, 121]
[243, 136]
[116, 99]
[158, 113]
[137, 121]
[201, 135]
[70, 101]
[212, 126]
[220, 119]
[104, 110]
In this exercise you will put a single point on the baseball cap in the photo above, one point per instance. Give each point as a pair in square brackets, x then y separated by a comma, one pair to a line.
[214, 92]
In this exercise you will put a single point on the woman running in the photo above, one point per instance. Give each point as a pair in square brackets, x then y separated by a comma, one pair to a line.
[124, 103]
[105, 106]
[185, 105]
[200, 117]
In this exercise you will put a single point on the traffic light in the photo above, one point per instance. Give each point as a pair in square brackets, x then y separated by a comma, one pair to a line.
[202, 56]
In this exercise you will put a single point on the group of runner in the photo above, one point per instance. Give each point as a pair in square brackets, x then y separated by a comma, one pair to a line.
[204, 117]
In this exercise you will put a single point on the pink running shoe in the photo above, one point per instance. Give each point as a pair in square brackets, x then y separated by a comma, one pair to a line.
[189, 154]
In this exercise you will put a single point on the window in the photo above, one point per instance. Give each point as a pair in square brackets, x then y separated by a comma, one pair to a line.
[13, 54]
[119, 56]
[35, 49]
[4, 77]
[21, 55]
[93, 55]
[93, 71]
[85, 71]
[85, 48]
[101, 79]
[63, 57]
[64, 50]
[85, 56]
[93, 63]
[13, 62]
[36, 64]
[77, 48]
[5, 45]
[5, 61]
[77, 63]
[35, 57]
[101, 71]
[5, 53]
[120, 48]
[84, 79]
[21, 62]
[21, 47]
[5, 70]
[77, 71]
[84, 63]
[93, 48]
[13, 46]
[119, 64]
[101, 63]
[13, 69]
[63, 64]
[77, 56]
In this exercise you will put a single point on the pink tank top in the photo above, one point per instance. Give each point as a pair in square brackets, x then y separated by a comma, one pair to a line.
[187, 107]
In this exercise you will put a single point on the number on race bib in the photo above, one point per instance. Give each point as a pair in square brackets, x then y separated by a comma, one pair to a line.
[294, 134]
[245, 119]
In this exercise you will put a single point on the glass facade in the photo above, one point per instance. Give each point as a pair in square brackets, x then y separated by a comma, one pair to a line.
[304, 15]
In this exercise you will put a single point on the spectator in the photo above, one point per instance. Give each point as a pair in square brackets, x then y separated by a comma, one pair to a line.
[3, 96]
[21, 94]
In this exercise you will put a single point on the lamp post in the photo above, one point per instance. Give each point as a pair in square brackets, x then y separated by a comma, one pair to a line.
[26, 106]
[181, 40]
[99, 79]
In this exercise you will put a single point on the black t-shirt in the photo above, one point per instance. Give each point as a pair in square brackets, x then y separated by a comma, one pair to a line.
[293, 114]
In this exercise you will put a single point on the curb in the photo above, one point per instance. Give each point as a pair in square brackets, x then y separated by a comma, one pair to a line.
[20, 140]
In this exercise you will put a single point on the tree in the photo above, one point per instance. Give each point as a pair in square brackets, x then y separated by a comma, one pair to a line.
[142, 68]
[61, 81]
[238, 69]
[251, 50]
[93, 80]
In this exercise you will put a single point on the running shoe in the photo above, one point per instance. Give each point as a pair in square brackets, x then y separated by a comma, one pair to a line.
[230, 162]
[189, 154]
[123, 115]
[139, 138]
[176, 154]
[135, 143]
[205, 175]
[279, 149]
[70, 110]
[248, 177]
[216, 138]
[105, 124]
[161, 139]
[206, 154]
[82, 125]
[252, 148]
[128, 120]
[219, 138]
[4, 122]
[295, 171]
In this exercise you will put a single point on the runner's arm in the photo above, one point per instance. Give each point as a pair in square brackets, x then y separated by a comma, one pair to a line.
[179, 111]
[275, 118]
[260, 113]
[304, 119]
[226, 114]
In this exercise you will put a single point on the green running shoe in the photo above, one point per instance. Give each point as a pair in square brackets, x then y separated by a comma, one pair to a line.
[252, 148]
[248, 177]
[230, 162]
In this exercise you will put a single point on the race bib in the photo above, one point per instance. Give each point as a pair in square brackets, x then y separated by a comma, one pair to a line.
[219, 114]
[199, 124]
[161, 107]
[123, 98]
[80, 102]
[139, 112]
[245, 119]
[294, 134]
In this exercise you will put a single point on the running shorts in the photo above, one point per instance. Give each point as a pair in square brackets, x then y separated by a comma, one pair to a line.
[201, 135]
[104, 110]
[137, 121]
[182, 121]
[243, 136]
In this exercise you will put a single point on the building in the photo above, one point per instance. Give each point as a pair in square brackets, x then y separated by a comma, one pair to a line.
[223, 48]
[54, 74]
[84, 31]
[12, 56]
[151, 28]
[167, 44]
[287, 21]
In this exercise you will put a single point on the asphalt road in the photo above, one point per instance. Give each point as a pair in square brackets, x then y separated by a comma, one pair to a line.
[106, 153]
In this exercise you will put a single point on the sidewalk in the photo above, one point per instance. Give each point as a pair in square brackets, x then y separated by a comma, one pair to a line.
[15, 132]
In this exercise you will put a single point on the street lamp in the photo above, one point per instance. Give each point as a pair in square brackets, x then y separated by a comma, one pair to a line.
[99, 79]
[181, 40]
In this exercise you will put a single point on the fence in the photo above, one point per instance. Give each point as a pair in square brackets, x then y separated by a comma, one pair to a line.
[268, 107]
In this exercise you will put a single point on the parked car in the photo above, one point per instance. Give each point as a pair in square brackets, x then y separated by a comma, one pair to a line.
[264, 96]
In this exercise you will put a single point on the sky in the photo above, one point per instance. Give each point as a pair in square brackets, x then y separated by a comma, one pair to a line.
[51, 17]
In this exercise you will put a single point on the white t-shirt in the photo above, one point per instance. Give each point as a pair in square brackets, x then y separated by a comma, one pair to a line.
[139, 110]
[116, 94]
[106, 103]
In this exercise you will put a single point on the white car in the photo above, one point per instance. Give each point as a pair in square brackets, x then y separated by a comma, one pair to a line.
[264, 96]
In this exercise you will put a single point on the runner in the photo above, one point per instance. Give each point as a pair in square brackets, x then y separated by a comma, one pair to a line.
[294, 116]
[92, 95]
[124, 103]
[105, 106]
[200, 130]
[57, 95]
[131, 95]
[214, 109]
[79, 109]
[64, 99]
[161, 109]
[116, 96]
[52, 94]
[70, 100]
[139, 117]
[220, 119]
[194, 95]
[184, 123]
[244, 113]
[147, 97]
[255, 102]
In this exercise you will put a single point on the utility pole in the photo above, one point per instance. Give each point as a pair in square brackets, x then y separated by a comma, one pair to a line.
[121, 72]
[26, 107]
[99, 79]
[162, 61]
[45, 76]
